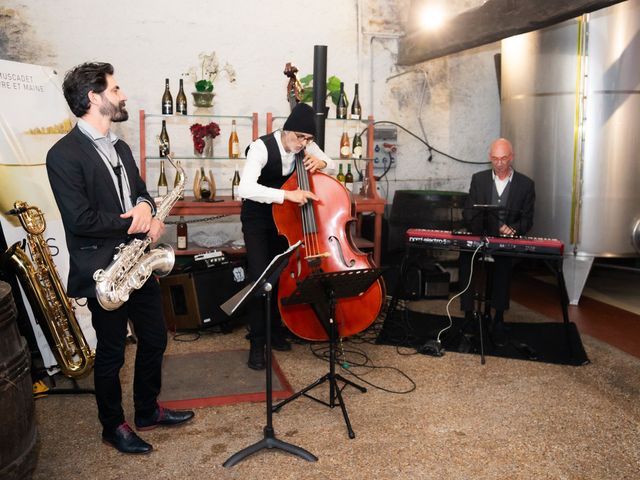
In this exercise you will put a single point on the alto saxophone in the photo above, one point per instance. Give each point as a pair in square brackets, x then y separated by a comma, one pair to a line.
[47, 295]
[132, 265]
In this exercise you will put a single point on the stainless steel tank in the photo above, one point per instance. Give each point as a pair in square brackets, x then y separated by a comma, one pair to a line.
[571, 107]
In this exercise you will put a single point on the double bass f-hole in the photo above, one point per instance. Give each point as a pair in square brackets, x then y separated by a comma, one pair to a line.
[338, 251]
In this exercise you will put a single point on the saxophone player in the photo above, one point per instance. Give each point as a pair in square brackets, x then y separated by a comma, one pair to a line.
[103, 202]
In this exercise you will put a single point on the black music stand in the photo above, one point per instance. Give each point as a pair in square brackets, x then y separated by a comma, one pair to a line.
[317, 289]
[263, 287]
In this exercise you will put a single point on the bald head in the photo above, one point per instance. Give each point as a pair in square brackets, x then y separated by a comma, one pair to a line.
[501, 156]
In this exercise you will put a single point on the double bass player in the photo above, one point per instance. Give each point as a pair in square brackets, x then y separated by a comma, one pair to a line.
[270, 162]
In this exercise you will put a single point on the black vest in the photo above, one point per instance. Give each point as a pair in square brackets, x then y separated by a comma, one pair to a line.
[271, 176]
[501, 200]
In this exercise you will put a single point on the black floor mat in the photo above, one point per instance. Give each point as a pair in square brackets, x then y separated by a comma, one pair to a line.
[549, 342]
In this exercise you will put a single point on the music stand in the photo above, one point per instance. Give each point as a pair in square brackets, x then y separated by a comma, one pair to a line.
[481, 301]
[263, 287]
[318, 289]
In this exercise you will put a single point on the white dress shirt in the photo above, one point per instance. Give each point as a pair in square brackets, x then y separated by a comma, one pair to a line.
[501, 184]
[256, 160]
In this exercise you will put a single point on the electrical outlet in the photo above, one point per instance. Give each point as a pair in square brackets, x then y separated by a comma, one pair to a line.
[385, 146]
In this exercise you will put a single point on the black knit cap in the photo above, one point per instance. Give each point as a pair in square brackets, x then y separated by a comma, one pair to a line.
[301, 119]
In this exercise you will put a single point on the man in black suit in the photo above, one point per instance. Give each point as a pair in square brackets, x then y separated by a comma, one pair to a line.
[514, 196]
[104, 202]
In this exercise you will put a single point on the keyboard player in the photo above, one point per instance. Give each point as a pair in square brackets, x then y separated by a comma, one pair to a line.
[513, 194]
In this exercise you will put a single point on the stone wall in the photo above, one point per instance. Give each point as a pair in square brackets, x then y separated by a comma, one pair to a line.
[148, 41]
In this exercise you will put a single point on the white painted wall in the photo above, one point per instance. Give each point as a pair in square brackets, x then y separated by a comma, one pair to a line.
[148, 40]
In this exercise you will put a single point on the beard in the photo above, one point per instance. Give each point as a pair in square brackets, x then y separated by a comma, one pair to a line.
[116, 113]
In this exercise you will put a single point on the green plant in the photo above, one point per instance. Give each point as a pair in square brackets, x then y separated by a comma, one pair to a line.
[333, 88]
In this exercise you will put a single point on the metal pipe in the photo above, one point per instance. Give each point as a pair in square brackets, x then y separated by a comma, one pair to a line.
[424, 91]
[320, 91]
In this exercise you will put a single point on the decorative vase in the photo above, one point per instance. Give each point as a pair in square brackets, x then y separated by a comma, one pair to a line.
[203, 99]
[207, 151]
[212, 185]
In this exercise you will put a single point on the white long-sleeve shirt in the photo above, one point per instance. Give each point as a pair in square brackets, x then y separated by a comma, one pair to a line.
[256, 160]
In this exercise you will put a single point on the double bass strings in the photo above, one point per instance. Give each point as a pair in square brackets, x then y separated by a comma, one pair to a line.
[308, 217]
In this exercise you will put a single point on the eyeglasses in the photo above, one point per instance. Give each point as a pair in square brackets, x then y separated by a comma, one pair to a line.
[506, 158]
[304, 138]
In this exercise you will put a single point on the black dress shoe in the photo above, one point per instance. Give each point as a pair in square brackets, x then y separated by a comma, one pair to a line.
[163, 416]
[125, 440]
[280, 343]
[256, 355]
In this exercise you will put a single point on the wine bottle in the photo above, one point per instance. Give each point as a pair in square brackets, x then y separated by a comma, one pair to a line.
[235, 183]
[181, 101]
[357, 145]
[345, 144]
[167, 99]
[204, 185]
[165, 145]
[176, 181]
[183, 237]
[356, 109]
[343, 103]
[234, 143]
[340, 176]
[348, 178]
[163, 188]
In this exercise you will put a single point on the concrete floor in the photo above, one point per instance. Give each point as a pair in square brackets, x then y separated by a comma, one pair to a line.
[506, 419]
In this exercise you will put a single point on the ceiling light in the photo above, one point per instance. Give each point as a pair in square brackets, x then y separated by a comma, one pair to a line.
[432, 17]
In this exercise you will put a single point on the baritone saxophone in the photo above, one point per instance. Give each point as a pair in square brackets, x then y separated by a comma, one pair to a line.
[47, 296]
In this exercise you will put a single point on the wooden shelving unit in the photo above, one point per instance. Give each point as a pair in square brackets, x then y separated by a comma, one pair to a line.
[371, 202]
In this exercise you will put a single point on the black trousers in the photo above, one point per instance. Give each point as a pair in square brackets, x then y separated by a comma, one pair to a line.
[144, 309]
[500, 270]
[262, 242]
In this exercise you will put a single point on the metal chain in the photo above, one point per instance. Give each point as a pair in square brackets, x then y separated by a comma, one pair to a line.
[198, 220]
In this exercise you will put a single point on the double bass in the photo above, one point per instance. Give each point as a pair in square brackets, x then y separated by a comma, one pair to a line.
[327, 246]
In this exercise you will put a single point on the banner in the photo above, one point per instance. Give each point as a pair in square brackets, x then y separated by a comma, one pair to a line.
[33, 117]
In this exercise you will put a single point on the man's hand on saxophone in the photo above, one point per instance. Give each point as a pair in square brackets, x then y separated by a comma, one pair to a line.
[140, 218]
[156, 230]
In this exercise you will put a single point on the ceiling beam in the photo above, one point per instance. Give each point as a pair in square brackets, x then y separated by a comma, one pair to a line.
[493, 21]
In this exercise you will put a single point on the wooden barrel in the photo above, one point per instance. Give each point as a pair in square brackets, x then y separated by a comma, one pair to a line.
[18, 432]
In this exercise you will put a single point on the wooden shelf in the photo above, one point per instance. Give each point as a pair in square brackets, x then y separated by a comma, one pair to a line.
[223, 205]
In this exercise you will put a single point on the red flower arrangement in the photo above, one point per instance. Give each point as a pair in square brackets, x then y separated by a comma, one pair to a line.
[198, 132]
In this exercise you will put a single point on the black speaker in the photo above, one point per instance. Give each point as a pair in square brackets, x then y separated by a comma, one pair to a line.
[192, 300]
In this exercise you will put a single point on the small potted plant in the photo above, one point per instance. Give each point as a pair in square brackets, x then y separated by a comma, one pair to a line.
[203, 83]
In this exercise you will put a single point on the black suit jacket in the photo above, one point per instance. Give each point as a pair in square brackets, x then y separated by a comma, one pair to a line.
[89, 204]
[520, 204]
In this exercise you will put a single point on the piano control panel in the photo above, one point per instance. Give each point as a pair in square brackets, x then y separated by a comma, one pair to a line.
[464, 241]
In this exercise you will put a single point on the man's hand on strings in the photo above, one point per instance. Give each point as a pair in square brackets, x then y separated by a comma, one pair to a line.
[299, 196]
[313, 164]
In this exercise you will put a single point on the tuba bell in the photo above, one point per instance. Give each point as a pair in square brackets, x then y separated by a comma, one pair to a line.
[47, 296]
